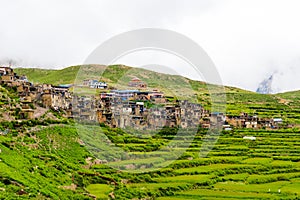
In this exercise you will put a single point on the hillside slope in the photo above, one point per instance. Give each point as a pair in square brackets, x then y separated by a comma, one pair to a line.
[9, 103]
[37, 75]
[285, 105]
[49, 159]
[53, 163]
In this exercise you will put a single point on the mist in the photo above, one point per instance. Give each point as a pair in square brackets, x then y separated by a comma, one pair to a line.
[247, 40]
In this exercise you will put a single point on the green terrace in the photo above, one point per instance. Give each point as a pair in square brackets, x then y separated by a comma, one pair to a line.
[52, 163]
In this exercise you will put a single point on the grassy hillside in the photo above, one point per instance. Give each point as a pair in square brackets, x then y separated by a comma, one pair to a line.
[37, 75]
[9, 102]
[284, 105]
[41, 164]
[50, 159]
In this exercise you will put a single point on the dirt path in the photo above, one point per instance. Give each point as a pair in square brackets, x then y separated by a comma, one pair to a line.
[39, 111]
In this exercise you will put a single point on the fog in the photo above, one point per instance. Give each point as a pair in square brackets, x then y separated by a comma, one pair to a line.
[248, 40]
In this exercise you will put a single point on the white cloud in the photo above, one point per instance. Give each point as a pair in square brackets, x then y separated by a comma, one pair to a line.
[248, 40]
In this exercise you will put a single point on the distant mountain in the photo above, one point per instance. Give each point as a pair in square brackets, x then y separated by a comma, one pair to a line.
[265, 87]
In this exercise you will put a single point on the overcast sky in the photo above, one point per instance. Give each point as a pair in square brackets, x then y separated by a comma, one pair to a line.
[248, 40]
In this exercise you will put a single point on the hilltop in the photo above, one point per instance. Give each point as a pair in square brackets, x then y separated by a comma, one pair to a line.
[284, 105]
[37, 75]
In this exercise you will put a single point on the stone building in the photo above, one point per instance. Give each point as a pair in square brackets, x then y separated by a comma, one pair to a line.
[7, 75]
[136, 82]
[127, 109]
[26, 109]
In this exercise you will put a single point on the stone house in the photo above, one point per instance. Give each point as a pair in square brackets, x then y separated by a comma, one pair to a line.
[55, 97]
[26, 110]
[190, 114]
[124, 109]
[276, 123]
[157, 97]
[7, 75]
[123, 94]
[253, 122]
[95, 84]
[60, 98]
[141, 96]
[136, 82]
[156, 118]
[247, 121]
[217, 118]
[154, 96]
[84, 108]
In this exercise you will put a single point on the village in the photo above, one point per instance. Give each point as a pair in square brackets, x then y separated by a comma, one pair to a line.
[136, 106]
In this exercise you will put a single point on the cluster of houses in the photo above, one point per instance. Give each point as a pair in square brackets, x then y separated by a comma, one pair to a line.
[95, 84]
[45, 95]
[124, 108]
[144, 110]
[92, 83]
[253, 122]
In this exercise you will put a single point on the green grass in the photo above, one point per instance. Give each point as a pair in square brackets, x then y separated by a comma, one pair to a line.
[245, 171]
[101, 191]
[242, 187]
[293, 187]
[41, 169]
[212, 193]
[37, 75]
[258, 161]
[186, 179]
[208, 168]
[156, 186]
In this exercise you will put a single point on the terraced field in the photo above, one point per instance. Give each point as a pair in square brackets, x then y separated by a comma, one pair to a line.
[268, 168]
[43, 160]
[51, 164]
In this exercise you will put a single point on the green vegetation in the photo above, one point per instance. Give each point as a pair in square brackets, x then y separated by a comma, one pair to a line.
[101, 191]
[41, 164]
[53, 163]
[49, 159]
[9, 101]
[36, 75]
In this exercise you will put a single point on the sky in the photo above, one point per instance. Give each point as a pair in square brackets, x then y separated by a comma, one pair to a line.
[248, 40]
